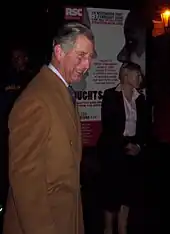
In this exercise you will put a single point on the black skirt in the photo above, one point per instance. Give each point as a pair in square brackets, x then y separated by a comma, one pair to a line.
[121, 180]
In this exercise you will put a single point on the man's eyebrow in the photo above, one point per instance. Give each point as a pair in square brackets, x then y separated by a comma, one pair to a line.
[85, 53]
[81, 52]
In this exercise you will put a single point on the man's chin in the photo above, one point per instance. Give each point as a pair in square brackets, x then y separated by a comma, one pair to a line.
[79, 84]
[77, 79]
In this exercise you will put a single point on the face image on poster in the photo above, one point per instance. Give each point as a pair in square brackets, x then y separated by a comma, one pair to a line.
[115, 43]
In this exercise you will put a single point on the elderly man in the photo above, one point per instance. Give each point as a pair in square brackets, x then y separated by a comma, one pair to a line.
[45, 142]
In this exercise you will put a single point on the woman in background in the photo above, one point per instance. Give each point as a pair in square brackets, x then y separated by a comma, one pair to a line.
[120, 145]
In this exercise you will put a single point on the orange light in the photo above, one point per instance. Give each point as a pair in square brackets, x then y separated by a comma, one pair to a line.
[165, 16]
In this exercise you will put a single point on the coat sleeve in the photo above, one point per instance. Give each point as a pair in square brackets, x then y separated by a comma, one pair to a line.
[110, 143]
[29, 126]
[106, 115]
[143, 133]
[110, 118]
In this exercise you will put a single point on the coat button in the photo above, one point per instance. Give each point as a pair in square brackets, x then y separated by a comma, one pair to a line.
[71, 143]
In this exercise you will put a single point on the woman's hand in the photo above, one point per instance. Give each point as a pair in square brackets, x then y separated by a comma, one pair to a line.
[132, 149]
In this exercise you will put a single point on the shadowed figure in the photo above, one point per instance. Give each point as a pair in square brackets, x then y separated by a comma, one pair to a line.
[135, 34]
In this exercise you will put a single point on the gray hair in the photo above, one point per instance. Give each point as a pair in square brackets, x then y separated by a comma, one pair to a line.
[68, 34]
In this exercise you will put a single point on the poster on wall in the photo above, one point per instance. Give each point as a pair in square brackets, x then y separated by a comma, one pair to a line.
[108, 28]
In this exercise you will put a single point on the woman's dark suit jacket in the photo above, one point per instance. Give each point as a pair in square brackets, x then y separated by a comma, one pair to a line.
[113, 119]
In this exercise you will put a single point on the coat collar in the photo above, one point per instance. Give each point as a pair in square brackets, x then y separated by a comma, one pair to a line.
[135, 94]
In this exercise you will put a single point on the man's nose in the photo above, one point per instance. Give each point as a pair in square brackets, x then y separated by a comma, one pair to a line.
[86, 63]
[123, 55]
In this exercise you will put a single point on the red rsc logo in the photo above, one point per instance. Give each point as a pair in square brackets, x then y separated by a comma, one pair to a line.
[73, 13]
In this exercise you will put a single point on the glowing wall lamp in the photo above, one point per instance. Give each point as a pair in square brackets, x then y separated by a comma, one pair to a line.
[165, 16]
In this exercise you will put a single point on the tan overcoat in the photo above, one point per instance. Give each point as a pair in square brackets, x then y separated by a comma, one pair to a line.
[44, 161]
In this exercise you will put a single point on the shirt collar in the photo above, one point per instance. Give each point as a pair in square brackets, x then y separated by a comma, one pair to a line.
[53, 69]
[135, 94]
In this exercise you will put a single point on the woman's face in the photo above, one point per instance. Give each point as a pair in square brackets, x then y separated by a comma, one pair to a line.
[134, 79]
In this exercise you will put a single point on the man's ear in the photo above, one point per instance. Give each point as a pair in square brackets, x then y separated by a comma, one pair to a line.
[59, 53]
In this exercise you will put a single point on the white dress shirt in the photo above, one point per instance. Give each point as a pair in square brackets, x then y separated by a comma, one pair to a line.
[52, 68]
[130, 111]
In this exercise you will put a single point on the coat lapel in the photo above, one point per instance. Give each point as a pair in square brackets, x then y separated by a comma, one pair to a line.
[61, 91]
[139, 110]
[67, 99]
[121, 111]
[69, 110]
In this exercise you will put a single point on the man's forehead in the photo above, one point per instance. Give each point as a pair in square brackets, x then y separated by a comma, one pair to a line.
[84, 44]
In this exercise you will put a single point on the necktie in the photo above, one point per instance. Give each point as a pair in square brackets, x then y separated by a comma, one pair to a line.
[72, 93]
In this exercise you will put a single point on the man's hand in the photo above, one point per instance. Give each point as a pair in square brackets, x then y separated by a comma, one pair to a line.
[132, 149]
